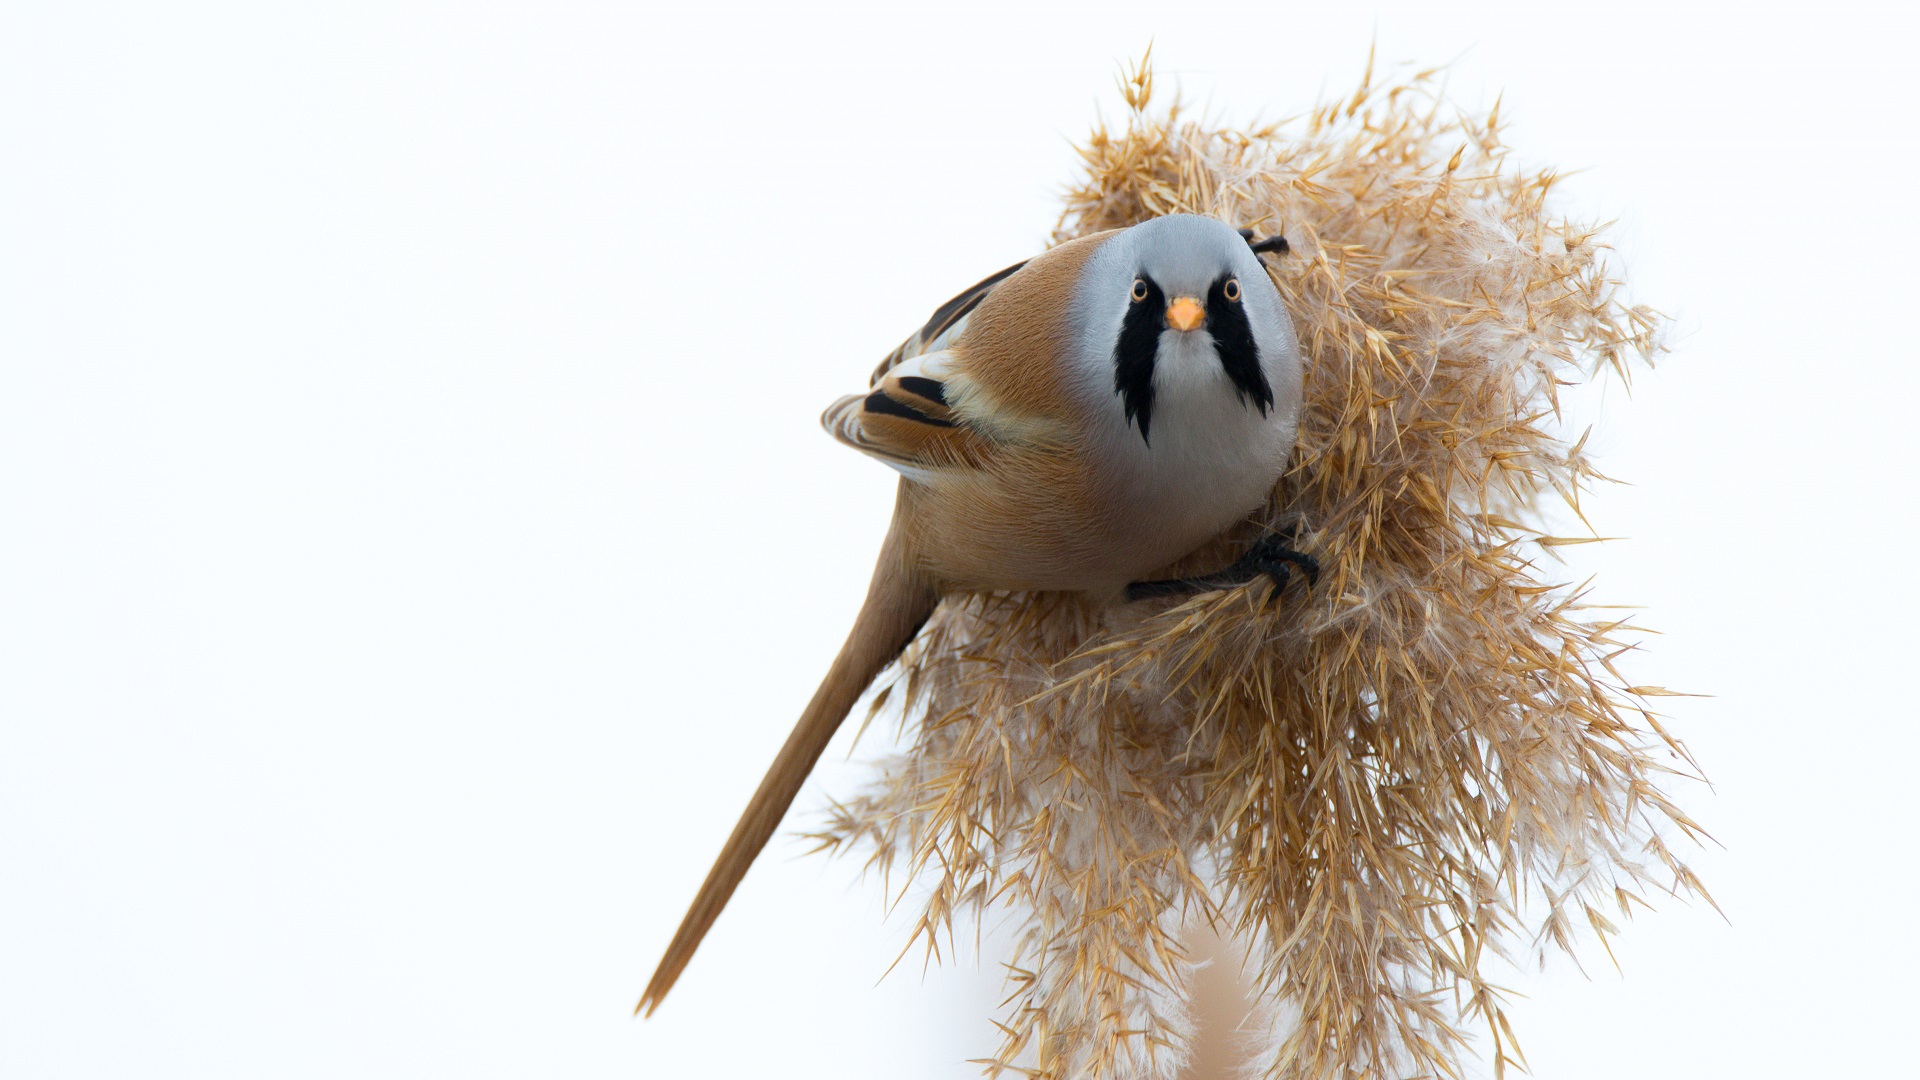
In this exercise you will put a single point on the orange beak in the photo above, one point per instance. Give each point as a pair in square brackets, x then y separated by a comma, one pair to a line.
[1185, 313]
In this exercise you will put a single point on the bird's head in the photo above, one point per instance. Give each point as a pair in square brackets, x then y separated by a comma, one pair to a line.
[1185, 282]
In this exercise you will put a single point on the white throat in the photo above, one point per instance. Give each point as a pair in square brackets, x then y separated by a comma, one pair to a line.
[1210, 459]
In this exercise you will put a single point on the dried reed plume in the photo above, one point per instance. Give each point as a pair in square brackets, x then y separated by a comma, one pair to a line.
[1426, 759]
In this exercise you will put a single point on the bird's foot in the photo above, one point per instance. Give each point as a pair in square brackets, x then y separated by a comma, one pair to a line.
[1269, 557]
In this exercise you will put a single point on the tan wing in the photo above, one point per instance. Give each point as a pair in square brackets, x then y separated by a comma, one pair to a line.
[948, 320]
[905, 421]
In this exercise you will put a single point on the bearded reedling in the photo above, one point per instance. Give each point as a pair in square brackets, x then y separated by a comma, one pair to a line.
[1073, 423]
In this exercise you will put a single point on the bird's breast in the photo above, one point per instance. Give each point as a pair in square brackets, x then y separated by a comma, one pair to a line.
[1211, 457]
[1088, 503]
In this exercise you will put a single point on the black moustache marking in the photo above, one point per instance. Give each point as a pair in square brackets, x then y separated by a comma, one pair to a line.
[1134, 355]
[1233, 342]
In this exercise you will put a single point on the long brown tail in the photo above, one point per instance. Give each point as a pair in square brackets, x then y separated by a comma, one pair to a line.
[898, 603]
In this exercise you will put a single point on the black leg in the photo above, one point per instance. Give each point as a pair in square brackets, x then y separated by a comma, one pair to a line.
[1269, 556]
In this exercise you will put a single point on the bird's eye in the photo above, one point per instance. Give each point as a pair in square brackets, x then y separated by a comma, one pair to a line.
[1139, 290]
[1232, 290]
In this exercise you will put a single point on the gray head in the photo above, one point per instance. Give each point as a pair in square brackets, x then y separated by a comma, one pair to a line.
[1177, 283]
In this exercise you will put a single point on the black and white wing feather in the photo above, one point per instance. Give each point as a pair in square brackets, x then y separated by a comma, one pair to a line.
[905, 419]
[948, 320]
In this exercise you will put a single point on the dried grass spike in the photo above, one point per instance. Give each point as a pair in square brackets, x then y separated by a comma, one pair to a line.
[1370, 783]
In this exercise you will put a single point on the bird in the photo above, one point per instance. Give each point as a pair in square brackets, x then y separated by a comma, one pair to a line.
[1073, 423]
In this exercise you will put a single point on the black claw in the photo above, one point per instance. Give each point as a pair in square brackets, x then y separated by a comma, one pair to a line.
[1272, 551]
[1307, 563]
[1277, 573]
[1269, 557]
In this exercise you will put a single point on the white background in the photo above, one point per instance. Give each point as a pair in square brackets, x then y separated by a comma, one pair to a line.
[415, 535]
